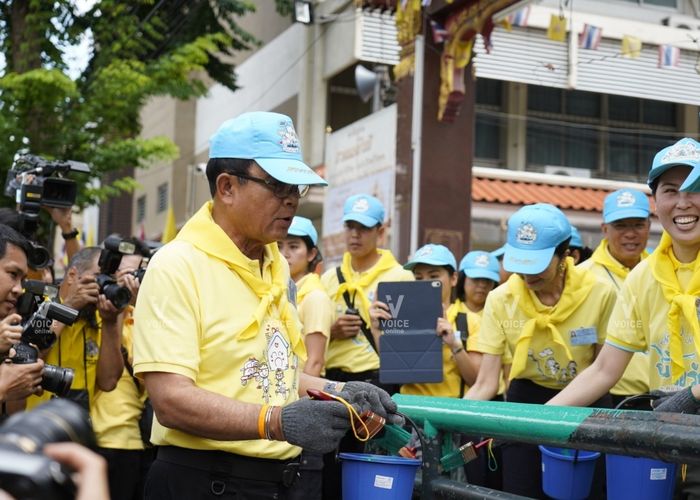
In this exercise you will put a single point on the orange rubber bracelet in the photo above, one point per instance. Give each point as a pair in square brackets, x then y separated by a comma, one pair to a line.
[261, 422]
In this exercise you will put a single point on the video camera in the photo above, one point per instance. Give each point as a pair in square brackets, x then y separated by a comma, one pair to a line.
[110, 258]
[24, 471]
[37, 315]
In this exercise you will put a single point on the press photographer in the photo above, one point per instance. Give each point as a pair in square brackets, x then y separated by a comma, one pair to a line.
[16, 380]
[90, 346]
[41, 452]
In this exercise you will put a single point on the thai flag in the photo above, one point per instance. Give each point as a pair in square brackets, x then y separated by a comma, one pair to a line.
[669, 56]
[439, 32]
[520, 18]
[590, 37]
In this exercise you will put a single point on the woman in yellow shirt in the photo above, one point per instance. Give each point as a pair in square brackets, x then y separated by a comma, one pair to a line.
[550, 315]
[478, 275]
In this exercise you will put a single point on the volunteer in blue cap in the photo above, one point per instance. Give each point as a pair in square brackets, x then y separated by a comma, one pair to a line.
[479, 273]
[656, 311]
[577, 250]
[550, 315]
[352, 286]
[216, 336]
[625, 230]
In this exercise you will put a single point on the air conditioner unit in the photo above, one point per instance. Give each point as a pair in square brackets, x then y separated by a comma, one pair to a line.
[570, 171]
[682, 22]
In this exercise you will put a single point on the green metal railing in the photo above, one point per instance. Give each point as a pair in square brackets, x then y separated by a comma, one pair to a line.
[670, 437]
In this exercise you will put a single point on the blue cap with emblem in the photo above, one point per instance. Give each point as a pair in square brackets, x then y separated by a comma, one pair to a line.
[576, 241]
[684, 152]
[301, 226]
[433, 255]
[480, 264]
[625, 204]
[534, 232]
[365, 209]
[270, 140]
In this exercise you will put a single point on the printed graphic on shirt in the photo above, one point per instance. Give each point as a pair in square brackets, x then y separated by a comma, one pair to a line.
[661, 360]
[549, 367]
[92, 351]
[274, 376]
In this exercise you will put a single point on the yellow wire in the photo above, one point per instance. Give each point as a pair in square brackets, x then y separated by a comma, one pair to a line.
[492, 457]
[354, 416]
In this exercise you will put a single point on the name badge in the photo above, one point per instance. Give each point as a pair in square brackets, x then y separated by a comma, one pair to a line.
[583, 336]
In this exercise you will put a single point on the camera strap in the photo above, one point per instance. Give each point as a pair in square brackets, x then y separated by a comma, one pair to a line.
[351, 305]
[463, 326]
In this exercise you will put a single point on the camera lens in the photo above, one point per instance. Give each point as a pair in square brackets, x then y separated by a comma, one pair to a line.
[58, 420]
[118, 295]
[57, 379]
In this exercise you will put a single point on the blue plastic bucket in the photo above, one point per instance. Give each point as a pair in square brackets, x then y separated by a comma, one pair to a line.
[378, 477]
[639, 478]
[567, 474]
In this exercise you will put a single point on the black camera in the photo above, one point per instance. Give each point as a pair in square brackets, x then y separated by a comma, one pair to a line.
[139, 273]
[34, 182]
[110, 258]
[24, 471]
[353, 311]
[37, 317]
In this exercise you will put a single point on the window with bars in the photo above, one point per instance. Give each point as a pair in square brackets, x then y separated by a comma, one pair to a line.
[162, 197]
[140, 208]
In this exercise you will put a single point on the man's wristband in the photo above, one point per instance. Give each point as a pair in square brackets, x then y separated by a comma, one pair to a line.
[457, 351]
[261, 422]
[70, 235]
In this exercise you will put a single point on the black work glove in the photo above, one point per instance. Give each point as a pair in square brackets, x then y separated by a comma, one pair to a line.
[317, 426]
[379, 400]
[681, 401]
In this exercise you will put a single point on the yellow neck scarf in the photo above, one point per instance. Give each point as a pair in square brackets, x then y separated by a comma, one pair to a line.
[308, 284]
[603, 257]
[205, 234]
[682, 302]
[356, 288]
[577, 285]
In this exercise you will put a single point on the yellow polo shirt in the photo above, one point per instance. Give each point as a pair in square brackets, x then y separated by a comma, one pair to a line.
[315, 308]
[638, 324]
[191, 314]
[355, 355]
[115, 415]
[503, 320]
[77, 347]
[635, 380]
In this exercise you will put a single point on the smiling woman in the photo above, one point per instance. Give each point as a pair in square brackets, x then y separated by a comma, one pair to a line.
[656, 312]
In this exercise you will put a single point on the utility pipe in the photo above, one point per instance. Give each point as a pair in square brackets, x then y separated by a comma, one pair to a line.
[672, 437]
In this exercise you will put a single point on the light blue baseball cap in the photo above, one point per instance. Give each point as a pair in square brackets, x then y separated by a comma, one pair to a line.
[498, 253]
[480, 264]
[534, 232]
[684, 152]
[270, 140]
[433, 255]
[625, 204]
[365, 209]
[576, 241]
[301, 226]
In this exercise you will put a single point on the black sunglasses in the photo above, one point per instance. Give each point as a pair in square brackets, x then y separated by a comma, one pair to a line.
[279, 189]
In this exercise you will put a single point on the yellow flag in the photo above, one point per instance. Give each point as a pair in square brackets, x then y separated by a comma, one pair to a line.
[557, 28]
[631, 46]
[170, 230]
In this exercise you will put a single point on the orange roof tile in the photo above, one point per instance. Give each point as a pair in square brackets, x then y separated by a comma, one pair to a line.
[522, 193]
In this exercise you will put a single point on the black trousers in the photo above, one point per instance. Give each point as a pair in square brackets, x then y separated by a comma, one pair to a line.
[180, 473]
[522, 463]
[125, 471]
